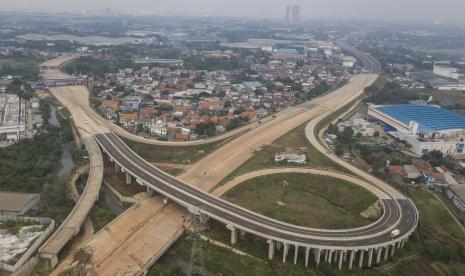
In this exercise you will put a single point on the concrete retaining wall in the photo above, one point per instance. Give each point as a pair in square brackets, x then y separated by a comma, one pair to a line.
[25, 258]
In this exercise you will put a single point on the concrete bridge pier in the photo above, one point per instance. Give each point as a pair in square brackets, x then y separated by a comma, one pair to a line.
[330, 256]
[307, 255]
[341, 258]
[326, 251]
[243, 232]
[117, 167]
[151, 191]
[128, 178]
[317, 256]
[271, 249]
[399, 244]
[233, 233]
[393, 248]
[378, 254]
[360, 260]
[296, 252]
[386, 252]
[344, 256]
[351, 258]
[370, 256]
[285, 251]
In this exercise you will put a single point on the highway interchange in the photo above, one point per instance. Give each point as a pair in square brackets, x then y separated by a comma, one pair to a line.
[399, 212]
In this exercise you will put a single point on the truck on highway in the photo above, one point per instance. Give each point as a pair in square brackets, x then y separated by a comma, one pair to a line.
[395, 233]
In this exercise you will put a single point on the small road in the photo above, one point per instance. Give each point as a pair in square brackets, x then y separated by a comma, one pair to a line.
[220, 191]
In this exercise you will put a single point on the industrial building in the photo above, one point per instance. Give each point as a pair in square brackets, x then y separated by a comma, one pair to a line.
[424, 127]
[444, 69]
[17, 204]
[12, 118]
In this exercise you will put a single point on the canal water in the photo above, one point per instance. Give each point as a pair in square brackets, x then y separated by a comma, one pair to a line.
[66, 160]
[67, 166]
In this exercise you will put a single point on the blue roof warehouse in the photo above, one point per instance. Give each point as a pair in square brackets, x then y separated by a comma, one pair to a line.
[425, 127]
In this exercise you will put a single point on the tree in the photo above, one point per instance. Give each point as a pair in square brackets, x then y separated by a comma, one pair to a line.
[208, 129]
[339, 150]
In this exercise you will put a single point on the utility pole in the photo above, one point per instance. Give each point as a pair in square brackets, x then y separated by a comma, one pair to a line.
[282, 201]
[198, 223]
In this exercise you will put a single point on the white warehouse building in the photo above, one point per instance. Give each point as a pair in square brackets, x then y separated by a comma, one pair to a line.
[425, 128]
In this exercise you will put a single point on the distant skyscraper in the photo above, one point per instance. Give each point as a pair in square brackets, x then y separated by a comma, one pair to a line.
[287, 18]
[296, 14]
[292, 16]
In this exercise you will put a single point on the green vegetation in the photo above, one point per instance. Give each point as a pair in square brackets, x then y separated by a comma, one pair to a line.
[20, 88]
[207, 129]
[436, 159]
[221, 261]
[185, 155]
[437, 247]
[21, 66]
[293, 141]
[390, 93]
[172, 171]
[13, 227]
[27, 165]
[98, 67]
[101, 215]
[31, 165]
[296, 201]
[212, 64]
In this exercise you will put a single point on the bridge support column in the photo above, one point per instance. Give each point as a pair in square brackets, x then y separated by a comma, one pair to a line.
[378, 254]
[351, 258]
[271, 248]
[307, 254]
[326, 251]
[285, 251]
[370, 256]
[233, 236]
[317, 256]
[386, 252]
[341, 258]
[360, 260]
[243, 233]
[296, 252]
[128, 179]
[330, 255]
[399, 244]
[151, 191]
[402, 243]
[344, 256]
[393, 248]
[117, 168]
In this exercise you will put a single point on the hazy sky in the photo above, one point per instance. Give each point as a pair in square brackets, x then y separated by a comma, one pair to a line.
[405, 10]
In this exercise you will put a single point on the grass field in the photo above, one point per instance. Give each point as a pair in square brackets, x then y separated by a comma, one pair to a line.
[308, 200]
[221, 261]
[290, 142]
[183, 155]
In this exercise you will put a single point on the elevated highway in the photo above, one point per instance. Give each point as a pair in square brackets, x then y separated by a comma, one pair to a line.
[399, 212]
[73, 222]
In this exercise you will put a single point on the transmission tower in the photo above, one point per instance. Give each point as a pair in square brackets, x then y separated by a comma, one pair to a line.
[198, 224]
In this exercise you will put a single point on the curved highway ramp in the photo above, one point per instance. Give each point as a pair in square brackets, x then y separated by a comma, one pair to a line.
[398, 214]
[72, 224]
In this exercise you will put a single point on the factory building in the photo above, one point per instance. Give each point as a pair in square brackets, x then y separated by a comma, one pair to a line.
[444, 69]
[425, 128]
[12, 118]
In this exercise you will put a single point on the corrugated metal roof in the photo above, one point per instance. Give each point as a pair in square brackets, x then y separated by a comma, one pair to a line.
[429, 118]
